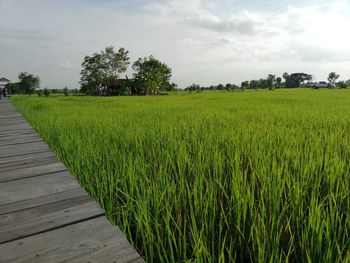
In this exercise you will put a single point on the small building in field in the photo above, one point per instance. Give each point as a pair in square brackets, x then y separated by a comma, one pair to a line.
[117, 87]
[4, 82]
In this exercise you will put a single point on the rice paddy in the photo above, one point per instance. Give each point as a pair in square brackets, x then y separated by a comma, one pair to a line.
[260, 176]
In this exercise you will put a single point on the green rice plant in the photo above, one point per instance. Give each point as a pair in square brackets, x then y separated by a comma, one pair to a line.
[212, 177]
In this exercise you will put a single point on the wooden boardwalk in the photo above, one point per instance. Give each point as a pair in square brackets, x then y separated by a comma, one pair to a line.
[45, 216]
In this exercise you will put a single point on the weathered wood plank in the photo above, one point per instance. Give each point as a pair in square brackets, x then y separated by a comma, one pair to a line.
[26, 164]
[13, 121]
[15, 191]
[10, 115]
[42, 200]
[27, 148]
[17, 131]
[11, 127]
[32, 171]
[138, 260]
[111, 254]
[13, 140]
[16, 134]
[25, 159]
[43, 218]
[90, 241]
[19, 142]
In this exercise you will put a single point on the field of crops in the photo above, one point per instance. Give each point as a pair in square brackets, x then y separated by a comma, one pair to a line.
[260, 176]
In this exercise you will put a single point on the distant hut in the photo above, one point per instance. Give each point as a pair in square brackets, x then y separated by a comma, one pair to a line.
[3, 82]
[117, 87]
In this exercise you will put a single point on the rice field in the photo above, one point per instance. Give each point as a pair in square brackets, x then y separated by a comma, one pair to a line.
[261, 176]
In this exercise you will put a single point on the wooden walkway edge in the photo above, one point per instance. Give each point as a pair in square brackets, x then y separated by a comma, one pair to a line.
[45, 216]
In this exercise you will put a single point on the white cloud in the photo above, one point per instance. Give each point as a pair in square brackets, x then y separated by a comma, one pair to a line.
[66, 65]
[295, 37]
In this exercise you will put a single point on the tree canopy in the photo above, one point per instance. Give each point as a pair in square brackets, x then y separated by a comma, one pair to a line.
[194, 87]
[332, 77]
[101, 69]
[27, 84]
[271, 81]
[296, 79]
[151, 76]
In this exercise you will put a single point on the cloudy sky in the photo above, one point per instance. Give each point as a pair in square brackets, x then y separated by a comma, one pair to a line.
[204, 41]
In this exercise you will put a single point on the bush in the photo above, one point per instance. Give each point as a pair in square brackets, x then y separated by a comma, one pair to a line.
[66, 91]
[342, 85]
[46, 92]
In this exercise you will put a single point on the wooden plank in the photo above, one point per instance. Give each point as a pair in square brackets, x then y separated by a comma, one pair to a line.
[25, 159]
[18, 131]
[43, 218]
[11, 121]
[17, 139]
[10, 115]
[11, 127]
[32, 171]
[121, 253]
[15, 191]
[138, 260]
[16, 134]
[27, 148]
[42, 200]
[89, 241]
[5, 125]
[26, 164]
[33, 155]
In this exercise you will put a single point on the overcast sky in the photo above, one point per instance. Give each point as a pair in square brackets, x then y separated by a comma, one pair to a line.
[204, 41]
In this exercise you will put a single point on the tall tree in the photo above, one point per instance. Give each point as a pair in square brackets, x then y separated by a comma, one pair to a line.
[244, 85]
[262, 83]
[194, 87]
[332, 77]
[92, 75]
[171, 87]
[114, 63]
[231, 87]
[296, 79]
[285, 76]
[271, 81]
[279, 82]
[13, 88]
[220, 87]
[151, 75]
[101, 69]
[254, 84]
[28, 83]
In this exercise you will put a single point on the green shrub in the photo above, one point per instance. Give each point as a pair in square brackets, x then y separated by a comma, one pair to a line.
[46, 92]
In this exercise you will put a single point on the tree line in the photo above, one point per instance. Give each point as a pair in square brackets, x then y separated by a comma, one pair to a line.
[29, 84]
[294, 80]
[26, 84]
[101, 76]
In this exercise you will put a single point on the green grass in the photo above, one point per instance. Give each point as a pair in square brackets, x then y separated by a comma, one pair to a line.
[214, 177]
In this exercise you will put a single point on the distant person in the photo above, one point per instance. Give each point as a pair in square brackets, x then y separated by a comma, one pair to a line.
[0, 94]
[4, 92]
